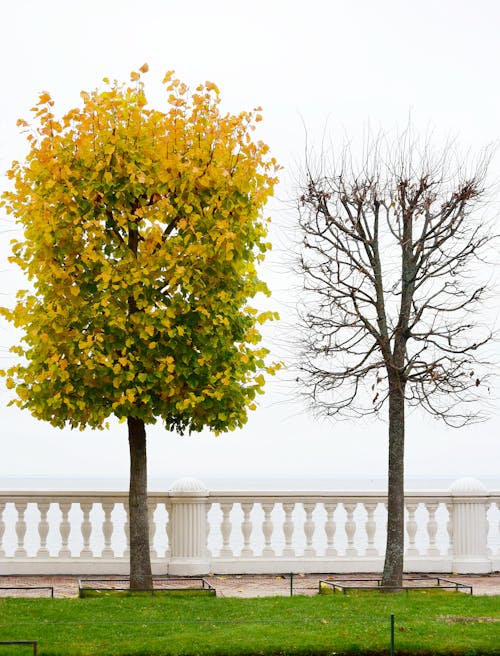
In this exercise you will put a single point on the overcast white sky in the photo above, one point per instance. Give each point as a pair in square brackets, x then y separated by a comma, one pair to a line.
[336, 63]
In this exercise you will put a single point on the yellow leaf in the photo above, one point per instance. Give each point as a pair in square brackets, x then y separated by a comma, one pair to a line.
[144, 68]
[210, 86]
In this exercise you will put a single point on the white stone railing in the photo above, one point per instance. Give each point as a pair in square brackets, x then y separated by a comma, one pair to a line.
[194, 531]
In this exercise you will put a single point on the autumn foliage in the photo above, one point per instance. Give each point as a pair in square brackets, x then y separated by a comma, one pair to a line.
[142, 231]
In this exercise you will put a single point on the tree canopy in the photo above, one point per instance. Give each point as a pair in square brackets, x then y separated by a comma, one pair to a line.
[394, 263]
[142, 232]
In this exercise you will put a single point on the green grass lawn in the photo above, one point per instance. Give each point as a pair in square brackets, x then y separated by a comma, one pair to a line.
[358, 623]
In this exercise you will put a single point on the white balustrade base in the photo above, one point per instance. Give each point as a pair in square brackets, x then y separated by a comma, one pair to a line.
[120, 566]
[472, 566]
[188, 567]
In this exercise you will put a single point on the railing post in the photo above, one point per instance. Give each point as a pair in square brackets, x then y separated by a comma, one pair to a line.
[469, 527]
[188, 528]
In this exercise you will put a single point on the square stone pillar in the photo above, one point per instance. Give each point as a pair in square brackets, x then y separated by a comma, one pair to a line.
[469, 527]
[188, 528]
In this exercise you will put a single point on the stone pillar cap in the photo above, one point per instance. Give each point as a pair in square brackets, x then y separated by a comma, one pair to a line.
[188, 487]
[467, 485]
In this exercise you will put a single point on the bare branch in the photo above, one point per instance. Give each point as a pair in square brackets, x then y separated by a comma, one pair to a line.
[388, 283]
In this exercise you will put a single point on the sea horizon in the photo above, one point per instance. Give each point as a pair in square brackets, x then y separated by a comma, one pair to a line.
[157, 484]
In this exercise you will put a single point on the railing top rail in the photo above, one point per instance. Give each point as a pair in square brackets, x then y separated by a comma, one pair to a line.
[438, 496]
[62, 494]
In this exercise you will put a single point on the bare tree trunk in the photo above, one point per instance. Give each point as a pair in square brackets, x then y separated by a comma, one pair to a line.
[393, 565]
[140, 561]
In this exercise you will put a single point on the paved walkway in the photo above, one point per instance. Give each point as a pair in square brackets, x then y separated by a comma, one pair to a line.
[235, 586]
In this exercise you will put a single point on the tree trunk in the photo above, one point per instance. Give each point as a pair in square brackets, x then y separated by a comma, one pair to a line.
[140, 560]
[393, 566]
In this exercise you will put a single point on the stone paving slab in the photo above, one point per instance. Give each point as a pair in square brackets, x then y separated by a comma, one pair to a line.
[243, 586]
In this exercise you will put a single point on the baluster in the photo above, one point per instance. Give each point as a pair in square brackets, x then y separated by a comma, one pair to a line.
[207, 530]
[309, 527]
[20, 552]
[411, 529]
[498, 508]
[43, 530]
[126, 530]
[288, 527]
[152, 528]
[246, 529]
[489, 550]
[107, 530]
[449, 528]
[432, 529]
[168, 528]
[226, 528]
[64, 529]
[86, 529]
[370, 528]
[330, 527]
[350, 529]
[2, 529]
[267, 529]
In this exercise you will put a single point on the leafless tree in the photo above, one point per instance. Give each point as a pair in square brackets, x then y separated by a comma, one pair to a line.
[391, 293]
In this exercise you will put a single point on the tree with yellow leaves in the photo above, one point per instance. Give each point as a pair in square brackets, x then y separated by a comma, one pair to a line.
[142, 232]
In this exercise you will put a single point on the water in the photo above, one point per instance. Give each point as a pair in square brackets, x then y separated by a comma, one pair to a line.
[43, 483]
